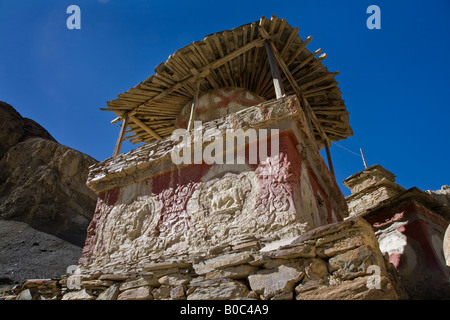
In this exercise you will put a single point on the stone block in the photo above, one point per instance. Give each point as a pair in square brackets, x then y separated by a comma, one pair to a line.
[36, 283]
[222, 290]
[166, 265]
[331, 249]
[27, 294]
[96, 284]
[139, 282]
[300, 251]
[308, 285]
[274, 281]
[109, 294]
[238, 272]
[140, 293]
[287, 295]
[220, 262]
[315, 269]
[161, 293]
[174, 279]
[114, 277]
[352, 263]
[82, 294]
[355, 289]
[177, 293]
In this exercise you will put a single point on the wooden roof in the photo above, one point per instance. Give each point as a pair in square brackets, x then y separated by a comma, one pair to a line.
[233, 58]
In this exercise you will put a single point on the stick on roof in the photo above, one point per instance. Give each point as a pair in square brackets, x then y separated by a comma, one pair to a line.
[233, 58]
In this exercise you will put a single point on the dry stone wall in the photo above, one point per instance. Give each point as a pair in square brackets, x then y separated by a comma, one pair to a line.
[337, 261]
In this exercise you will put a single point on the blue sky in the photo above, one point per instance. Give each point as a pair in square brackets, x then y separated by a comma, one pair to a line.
[394, 80]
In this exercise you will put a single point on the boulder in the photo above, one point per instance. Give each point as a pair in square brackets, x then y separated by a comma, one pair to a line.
[281, 279]
[220, 290]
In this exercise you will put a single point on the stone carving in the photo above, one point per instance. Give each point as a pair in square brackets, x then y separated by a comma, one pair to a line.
[274, 177]
[174, 216]
[128, 231]
[220, 207]
[226, 195]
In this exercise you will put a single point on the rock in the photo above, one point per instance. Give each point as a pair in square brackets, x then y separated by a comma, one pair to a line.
[82, 294]
[246, 245]
[109, 294]
[283, 296]
[6, 289]
[356, 289]
[177, 292]
[276, 245]
[324, 230]
[42, 183]
[352, 263]
[161, 293]
[300, 251]
[333, 248]
[308, 285]
[139, 282]
[238, 272]
[223, 261]
[40, 283]
[166, 265]
[114, 277]
[252, 295]
[14, 128]
[274, 281]
[27, 294]
[315, 269]
[174, 279]
[140, 293]
[96, 284]
[220, 291]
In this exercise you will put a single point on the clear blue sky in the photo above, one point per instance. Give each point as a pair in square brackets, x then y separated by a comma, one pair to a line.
[395, 81]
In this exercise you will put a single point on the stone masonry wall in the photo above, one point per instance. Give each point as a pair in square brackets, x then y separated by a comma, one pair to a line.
[337, 261]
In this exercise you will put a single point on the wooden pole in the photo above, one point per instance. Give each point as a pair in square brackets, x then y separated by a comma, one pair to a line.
[364, 159]
[193, 106]
[121, 136]
[330, 163]
[276, 76]
[307, 108]
[145, 127]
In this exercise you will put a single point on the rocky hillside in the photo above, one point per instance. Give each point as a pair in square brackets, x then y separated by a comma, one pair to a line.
[42, 185]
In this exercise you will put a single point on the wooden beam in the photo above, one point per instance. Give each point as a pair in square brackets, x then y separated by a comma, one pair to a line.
[330, 163]
[193, 106]
[364, 158]
[297, 89]
[307, 108]
[145, 127]
[122, 115]
[121, 135]
[276, 76]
